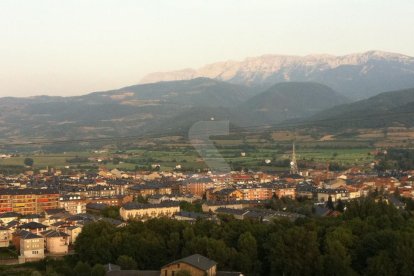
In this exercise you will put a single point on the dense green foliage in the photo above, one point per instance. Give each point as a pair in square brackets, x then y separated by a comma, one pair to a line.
[369, 238]
[400, 159]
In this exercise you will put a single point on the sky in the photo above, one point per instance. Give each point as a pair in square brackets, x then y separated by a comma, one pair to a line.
[74, 47]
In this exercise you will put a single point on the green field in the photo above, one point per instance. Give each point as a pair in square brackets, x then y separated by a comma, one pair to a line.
[190, 159]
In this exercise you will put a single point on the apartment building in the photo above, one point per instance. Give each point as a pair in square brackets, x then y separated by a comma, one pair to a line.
[28, 201]
[134, 210]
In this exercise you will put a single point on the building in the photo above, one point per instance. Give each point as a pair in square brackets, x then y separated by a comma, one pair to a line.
[28, 201]
[5, 218]
[96, 208]
[149, 189]
[134, 210]
[305, 190]
[226, 194]
[73, 232]
[31, 246]
[117, 200]
[100, 191]
[236, 213]
[335, 194]
[285, 192]
[73, 204]
[76, 204]
[56, 242]
[196, 186]
[196, 265]
[4, 237]
[212, 206]
[191, 217]
[33, 227]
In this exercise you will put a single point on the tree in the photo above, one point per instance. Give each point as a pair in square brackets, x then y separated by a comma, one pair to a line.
[381, 265]
[98, 270]
[337, 260]
[82, 269]
[247, 255]
[294, 251]
[340, 205]
[126, 262]
[28, 161]
[111, 212]
[330, 204]
[174, 245]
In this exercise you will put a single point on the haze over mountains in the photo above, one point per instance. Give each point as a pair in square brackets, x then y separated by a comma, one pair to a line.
[267, 99]
[356, 76]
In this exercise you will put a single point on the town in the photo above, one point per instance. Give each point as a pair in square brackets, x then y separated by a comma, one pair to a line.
[42, 212]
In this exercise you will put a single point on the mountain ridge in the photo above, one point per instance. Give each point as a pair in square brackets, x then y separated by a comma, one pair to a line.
[358, 75]
[392, 108]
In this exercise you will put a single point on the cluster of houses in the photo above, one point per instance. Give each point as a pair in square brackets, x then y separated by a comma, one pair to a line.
[51, 233]
[26, 200]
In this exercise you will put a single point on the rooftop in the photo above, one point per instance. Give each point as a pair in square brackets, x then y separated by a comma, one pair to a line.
[196, 260]
[32, 225]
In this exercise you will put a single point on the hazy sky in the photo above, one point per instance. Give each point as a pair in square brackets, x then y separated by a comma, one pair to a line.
[75, 47]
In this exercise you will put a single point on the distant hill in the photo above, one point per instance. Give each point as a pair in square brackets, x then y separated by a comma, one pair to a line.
[395, 108]
[173, 107]
[356, 76]
[288, 100]
[126, 111]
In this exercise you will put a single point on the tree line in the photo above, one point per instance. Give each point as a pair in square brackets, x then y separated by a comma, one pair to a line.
[369, 238]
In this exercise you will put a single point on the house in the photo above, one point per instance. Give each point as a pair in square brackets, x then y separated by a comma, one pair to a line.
[56, 242]
[4, 237]
[196, 265]
[33, 227]
[31, 246]
[29, 218]
[191, 217]
[335, 194]
[54, 212]
[73, 232]
[395, 201]
[5, 218]
[236, 213]
[322, 211]
[12, 226]
[227, 194]
[96, 208]
[305, 190]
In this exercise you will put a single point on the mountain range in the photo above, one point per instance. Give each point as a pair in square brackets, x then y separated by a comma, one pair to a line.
[356, 76]
[172, 107]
